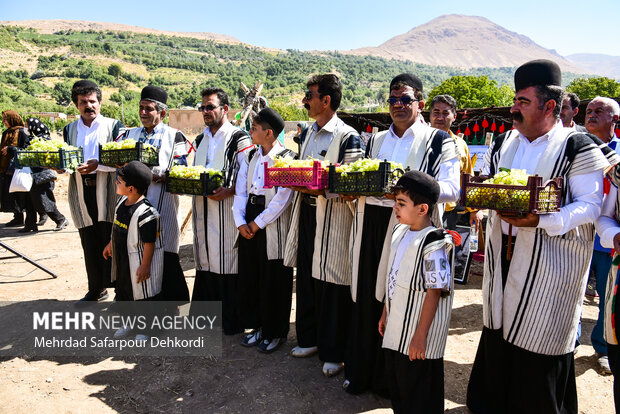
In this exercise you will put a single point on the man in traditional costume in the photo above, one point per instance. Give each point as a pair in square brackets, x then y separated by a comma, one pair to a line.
[532, 300]
[414, 144]
[92, 188]
[318, 239]
[569, 110]
[223, 147]
[601, 118]
[173, 150]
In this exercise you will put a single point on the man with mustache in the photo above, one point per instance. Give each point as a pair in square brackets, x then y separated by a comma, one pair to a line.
[222, 147]
[601, 118]
[532, 300]
[318, 239]
[92, 188]
[414, 144]
[569, 110]
[173, 150]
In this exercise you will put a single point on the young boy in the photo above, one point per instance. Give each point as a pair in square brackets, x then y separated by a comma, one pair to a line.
[418, 303]
[135, 247]
[262, 217]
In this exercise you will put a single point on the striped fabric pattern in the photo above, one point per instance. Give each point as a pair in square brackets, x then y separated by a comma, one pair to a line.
[405, 307]
[106, 185]
[172, 147]
[541, 305]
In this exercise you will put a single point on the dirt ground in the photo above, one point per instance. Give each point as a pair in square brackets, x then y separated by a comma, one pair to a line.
[241, 380]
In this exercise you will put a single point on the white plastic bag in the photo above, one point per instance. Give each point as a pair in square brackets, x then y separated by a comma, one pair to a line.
[21, 181]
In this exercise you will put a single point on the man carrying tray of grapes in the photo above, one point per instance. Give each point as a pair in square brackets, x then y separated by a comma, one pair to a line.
[318, 239]
[532, 301]
[92, 188]
[416, 145]
[173, 150]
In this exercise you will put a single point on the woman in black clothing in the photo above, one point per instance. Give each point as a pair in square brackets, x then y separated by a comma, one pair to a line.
[13, 136]
[42, 192]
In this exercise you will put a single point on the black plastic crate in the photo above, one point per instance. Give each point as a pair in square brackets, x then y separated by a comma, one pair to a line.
[364, 183]
[203, 186]
[61, 159]
[146, 155]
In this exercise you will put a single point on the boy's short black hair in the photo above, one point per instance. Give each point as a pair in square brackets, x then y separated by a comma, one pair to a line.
[137, 175]
[420, 187]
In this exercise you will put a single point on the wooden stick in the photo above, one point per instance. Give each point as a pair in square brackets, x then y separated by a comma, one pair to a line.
[185, 223]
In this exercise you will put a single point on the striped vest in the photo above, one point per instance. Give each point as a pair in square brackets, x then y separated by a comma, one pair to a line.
[405, 307]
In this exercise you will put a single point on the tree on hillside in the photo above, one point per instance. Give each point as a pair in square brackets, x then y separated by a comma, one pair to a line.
[115, 70]
[588, 88]
[474, 91]
[62, 93]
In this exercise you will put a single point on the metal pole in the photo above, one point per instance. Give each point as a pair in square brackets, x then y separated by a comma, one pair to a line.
[26, 258]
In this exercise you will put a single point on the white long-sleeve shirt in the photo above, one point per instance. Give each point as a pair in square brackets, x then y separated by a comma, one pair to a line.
[278, 203]
[586, 189]
[607, 225]
[396, 149]
[88, 139]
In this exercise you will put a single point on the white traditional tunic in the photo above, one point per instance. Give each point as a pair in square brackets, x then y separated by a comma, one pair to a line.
[215, 232]
[276, 217]
[540, 306]
[77, 134]
[334, 216]
[173, 150]
[135, 249]
[418, 261]
[432, 151]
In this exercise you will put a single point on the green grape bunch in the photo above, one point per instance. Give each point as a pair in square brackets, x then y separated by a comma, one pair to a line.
[502, 198]
[45, 153]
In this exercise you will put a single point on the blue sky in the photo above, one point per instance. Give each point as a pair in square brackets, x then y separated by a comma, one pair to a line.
[565, 26]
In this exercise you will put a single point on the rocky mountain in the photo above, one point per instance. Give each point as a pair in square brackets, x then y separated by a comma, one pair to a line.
[466, 42]
[604, 65]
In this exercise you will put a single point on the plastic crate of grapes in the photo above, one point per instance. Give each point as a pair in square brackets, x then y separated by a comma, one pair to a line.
[61, 159]
[364, 183]
[146, 154]
[202, 186]
[314, 178]
[534, 197]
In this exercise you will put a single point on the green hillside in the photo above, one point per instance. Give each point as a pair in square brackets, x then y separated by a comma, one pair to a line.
[41, 68]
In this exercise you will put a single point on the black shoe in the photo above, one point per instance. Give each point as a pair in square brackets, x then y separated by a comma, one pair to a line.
[251, 339]
[15, 223]
[61, 225]
[42, 220]
[29, 229]
[95, 296]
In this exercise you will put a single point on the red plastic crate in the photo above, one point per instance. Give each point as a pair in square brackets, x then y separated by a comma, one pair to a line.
[314, 178]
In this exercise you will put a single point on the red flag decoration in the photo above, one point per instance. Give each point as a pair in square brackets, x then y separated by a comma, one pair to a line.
[368, 128]
[467, 131]
[458, 131]
[476, 127]
[493, 126]
[485, 123]
[502, 128]
[617, 131]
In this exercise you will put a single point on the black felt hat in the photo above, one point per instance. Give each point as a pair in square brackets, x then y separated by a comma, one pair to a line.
[538, 72]
[153, 93]
[417, 182]
[274, 120]
[408, 79]
[85, 84]
[137, 175]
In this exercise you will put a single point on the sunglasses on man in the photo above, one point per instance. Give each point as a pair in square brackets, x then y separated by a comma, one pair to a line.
[404, 100]
[207, 108]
